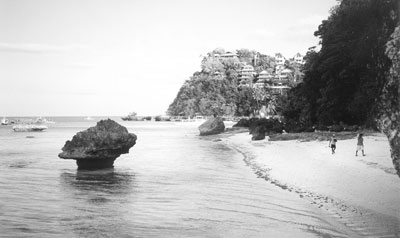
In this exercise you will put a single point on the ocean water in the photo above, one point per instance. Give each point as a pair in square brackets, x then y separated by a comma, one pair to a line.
[173, 183]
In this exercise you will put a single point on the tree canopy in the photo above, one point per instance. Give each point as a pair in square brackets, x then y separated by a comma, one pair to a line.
[215, 90]
[343, 80]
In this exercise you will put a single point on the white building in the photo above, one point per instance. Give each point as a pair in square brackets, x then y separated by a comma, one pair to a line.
[279, 59]
[228, 55]
[264, 79]
[284, 74]
[280, 62]
[298, 58]
[246, 75]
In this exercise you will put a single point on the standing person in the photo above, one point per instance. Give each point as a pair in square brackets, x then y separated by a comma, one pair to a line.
[360, 144]
[332, 143]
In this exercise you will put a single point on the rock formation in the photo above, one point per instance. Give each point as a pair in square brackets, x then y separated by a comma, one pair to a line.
[212, 126]
[258, 133]
[98, 146]
[389, 115]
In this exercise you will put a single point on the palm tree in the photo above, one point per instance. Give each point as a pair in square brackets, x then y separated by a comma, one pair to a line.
[271, 105]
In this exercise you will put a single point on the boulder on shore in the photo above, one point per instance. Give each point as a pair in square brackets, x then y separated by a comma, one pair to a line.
[212, 126]
[98, 146]
[258, 133]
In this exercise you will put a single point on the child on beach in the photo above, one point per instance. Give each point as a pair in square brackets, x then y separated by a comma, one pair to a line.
[360, 144]
[332, 143]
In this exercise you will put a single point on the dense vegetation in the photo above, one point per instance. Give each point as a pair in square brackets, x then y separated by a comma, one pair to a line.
[344, 79]
[342, 82]
[214, 90]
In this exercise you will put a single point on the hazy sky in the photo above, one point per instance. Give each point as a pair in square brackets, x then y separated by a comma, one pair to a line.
[111, 57]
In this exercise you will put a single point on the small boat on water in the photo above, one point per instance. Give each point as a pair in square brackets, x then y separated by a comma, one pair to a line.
[42, 120]
[5, 121]
[183, 120]
[29, 127]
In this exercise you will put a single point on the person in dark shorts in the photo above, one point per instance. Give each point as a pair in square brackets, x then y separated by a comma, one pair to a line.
[360, 144]
[332, 143]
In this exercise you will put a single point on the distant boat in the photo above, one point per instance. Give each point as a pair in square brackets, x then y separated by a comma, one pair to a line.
[89, 118]
[183, 120]
[5, 121]
[29, 127]
[42, 120]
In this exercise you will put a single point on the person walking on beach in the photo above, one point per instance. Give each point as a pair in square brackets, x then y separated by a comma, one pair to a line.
[360, 144]
[332, 143]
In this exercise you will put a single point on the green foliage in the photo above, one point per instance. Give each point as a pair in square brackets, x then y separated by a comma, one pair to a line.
[215, 89]
[247, 56]
[269, 126]
[344, 79]
[265, 62]
[206, 95]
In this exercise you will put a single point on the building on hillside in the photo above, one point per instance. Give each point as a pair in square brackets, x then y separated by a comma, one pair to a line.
[280, 84]
[264, 79]
[298, 58]
[228, 55]
[280, 62]
[218, 75]
[279, 59]
[285, 74]
[277, 83]
[246, 76]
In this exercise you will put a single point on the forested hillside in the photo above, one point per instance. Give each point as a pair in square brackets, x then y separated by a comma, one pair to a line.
[215, 90]
[344, 79]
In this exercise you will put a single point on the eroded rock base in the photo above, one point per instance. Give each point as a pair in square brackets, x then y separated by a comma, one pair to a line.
[92, 164]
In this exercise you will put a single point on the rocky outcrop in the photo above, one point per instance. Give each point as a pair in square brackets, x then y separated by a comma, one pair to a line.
[244, 122]
[212, 126]
[98, 146]
[258, 133]
[389, 116]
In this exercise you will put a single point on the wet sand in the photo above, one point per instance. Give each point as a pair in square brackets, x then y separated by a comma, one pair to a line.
[362, 193]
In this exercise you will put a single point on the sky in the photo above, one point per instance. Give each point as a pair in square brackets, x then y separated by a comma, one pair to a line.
[112, 57]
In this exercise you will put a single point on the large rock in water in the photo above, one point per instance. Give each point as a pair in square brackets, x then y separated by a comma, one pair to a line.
[212, 126]
[98, 146]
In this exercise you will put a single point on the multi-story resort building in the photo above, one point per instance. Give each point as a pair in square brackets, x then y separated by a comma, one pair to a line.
[227, 55]
[246, 76]
[264, 79]
[279, 59]
[279, 82]
[280, 62]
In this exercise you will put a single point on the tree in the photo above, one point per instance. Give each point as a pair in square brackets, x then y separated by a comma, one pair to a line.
[246, 56]
[343, 81]
[204, 94]
[264, 62]
[209, 93]
[211, 65]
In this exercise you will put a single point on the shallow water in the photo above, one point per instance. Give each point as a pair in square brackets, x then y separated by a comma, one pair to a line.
[173, 183]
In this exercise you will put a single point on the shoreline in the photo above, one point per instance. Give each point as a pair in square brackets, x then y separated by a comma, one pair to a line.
[362, 193]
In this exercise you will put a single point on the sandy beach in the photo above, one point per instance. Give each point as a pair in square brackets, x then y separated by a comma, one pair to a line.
[362, 193]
